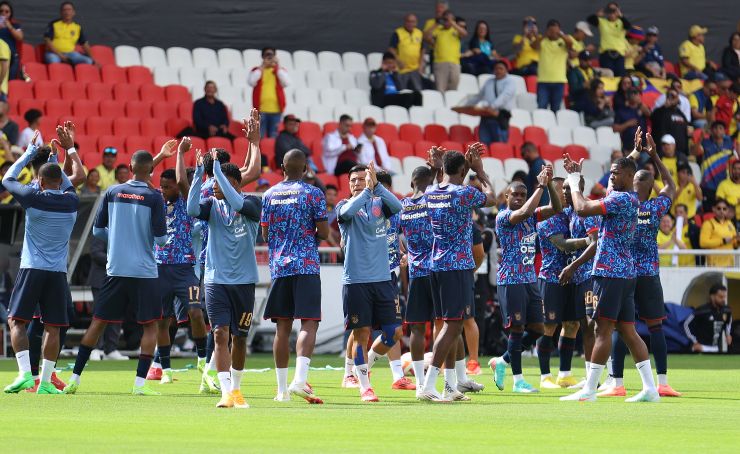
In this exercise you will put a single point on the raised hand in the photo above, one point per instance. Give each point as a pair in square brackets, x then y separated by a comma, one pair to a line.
[214, 154]
[168, 148]
[198, 157]
[66, 141]
[251, 127]
[185, 145]
[570, 165]
[371, 179]
[473, 156]
[434, 157]
[651, 148]
[71, 129]
[545, 175]
[638, 140]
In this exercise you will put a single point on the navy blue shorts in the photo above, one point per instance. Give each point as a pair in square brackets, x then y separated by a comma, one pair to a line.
[521, 304]
[420, 305]
[649, 298]
[453, 293]
[46, 290]
[584, 294]
[118, 293]
[296, 297]
[614, 299]
[180, 291]
[560, 304]
[230, 305]
[371, 304]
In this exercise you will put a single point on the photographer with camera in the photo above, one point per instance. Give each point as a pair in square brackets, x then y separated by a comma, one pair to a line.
[445, 37]
[668, 119]
[527, 57]
[612, 29]
[268, 95]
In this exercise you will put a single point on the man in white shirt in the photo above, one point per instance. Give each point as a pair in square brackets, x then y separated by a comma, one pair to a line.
[497, 96]
[33, 118]
[340, 149]
[683, 102]
[373, 147]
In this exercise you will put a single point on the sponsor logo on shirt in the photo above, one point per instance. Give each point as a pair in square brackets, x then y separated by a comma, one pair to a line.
[130, 196]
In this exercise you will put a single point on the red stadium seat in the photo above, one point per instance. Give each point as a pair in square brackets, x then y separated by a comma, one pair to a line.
[48, 128]
[151, 93]
[79, 122]
[461, 133]
[99, 126]
[125, 92]
[36, 71]
[19, 89]
[309, 132]
[164, 110]
[112, 109]
[515, 138]
[126, 126]
[105, 141]
[58, 107]
[27, 53]
[421, 148]
[387, 131]
[551, 152]
[177, 94]
[113, 74]
[85, 108]
[267, 148]
[87, 144]
[400, 149]
[502, 151]
[136, 143]
[329, 127]
[241, 146]
[87, 73]
[435, 133]
[576, 152]
[152, 127]
[219, 142]
[173, 126]
[356, 129]
[46, 89]
[90, 159]
[328, 179]
[411, 133]
[103, 55]
[235, 128]
[185, 110]
[72, 90]
[139, 109]
[670, 67]
[451, 145]
[39, 50]
[531, 82]
[198, 143]
[30, 103]
[139, 75]
[97, 91]
[61, 72]
[536, 135]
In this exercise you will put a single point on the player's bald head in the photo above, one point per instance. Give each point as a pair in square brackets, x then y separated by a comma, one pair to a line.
[643, 175]
[517, 185]
[294, 162]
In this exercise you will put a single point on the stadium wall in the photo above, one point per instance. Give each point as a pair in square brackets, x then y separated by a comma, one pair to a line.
[350, 25]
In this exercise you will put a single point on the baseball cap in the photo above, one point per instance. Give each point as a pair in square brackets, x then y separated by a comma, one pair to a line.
[667, 138]
[110, 150]
[584, 27]
[369, 121]
[584, 55]
[291, 117]
[653, 30]
[720, 77]
[697, 30]
[636, 33]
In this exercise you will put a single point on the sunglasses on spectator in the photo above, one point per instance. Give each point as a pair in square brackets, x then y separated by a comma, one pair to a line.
[110, 150]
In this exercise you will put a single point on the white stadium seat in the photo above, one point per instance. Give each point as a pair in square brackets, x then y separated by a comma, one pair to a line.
[196, 91]
[483, 78]
[240, 110]
[468, 84]
[306, 96]
[695, 170]
[396, 166]
[289, 92]
[297, 78]
[402, 182]
[421, 116]
[559, 136]
[343, 80]
[520, 118]
[153, 57]
[606, 136]
[239, 76]
[373, 60]
[592, 169]
[356, 97]
[544, 118]
[205, 58]
[230, 94]
[305, 60]
[396, 115]
[362, 80]
[252, 58]
[371, 111]
[179, 57]
[453, 98]
[526, 101]
[585, 136]
[432, 99]
[568, 118]
[519, 83]
[222, 76]
[299, 110]
[190, 76]
[446, 117]
[601, 153]
[412, 162]
[330, 61]
[354, 61]
[471, 121]
[285, 59]
[127, 56]
[331, 97]
[230, 58]
[494, 168]
[318, 79]
[512, 165]
[320, 114]
[164, 75]
[345, 109]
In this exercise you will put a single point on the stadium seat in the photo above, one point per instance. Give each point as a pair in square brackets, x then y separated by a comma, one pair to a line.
[125, 92]
[591, 169]
[72, 90]
[362, 80]
[172, 127]
[87, 73]
[601, 153]
[153, 57]
[388, 132]
[535, 134]
[558, 135]
[453, 98]
[27, 53]
[305, 60]
[344, 109]
[531, 83]
[127, 56]
[483, 78]
[494, 167]
[84, 108]
[222, 76]
[468, 84]
[519, 84]
[219, 142]
[179, 57]
[252, 58]
[230, 58]
[451, 145]
[135, 143]
[164, 110]
[166, 76]
[577, 152]
[320, 114]
[152, 127]
[471, 121]
[139, 75]
[410, 132]
[520, 118]
[568, 118]
[354, 61]
[139, 109]
[309, 132]
[108, 140]
[511, 166]
[286, 59]
[356, 97]
[460, 133]
[19, 89]
[373, 60]
[126, 126]
[446, 117]
[606, 136]
[400, 149]
[501, 151]
[435, 133]
[343, 80]
[331, 97]
[36, 71]
[111, 109]
[57, 107]
[100, 91]
[558, 169]
[230, 95]
[551, 152]
[99, 126]
[318, 79]
[192, 77]
[176, 94]
[205, 58]
[46, 89]
[61, 72]
[421, 116]
[396, 166]
[307, 96]
[544, 118]
[103, 55]
[299, 110]
[396, 115]
[583, 135]
[410, 163]
[402, 181]
[373, 112]
[526, 101]
[421, 148]
[112, 74]
[185, 110]
[330, 61]
[151, 93]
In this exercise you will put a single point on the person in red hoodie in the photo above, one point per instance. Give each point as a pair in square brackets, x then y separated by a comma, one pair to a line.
[268, 96]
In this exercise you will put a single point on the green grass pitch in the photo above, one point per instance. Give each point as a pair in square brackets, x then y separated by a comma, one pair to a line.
[103, 417]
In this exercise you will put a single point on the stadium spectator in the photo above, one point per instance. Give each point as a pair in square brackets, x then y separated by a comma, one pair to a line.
[12, 35]
[480, 55]
[440, 8]
[8, 126]
[683, 101]
[5, 58]
[531, 154]
[526, 55]
[709, 327]
[63, 35]
[629, 117]
[33, 119]
[445, 37]
[668, 147]
[262, 185]
[716, 151]
[578, 38]
[726, 105]
[268, 95]
[633, 53]
[668, 240]
[288, 139]
[107, 346]
[668, 119]
[311, 178]
[690, 231]
[385, 83]
[498, 94]
[107, 169]
[210, 116]
[340, 148]
[702, 105]
[331, 194]
[579, 80]
[719, 233]
[373, 148]
[625, 83]
[406, 45]
[730, 57]
[596, 109]
[692, 54]
[92, 183]
[612, 26]
[553, 48]
[653, 62]
[123, 174]
[688, 191]
[729, 189]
